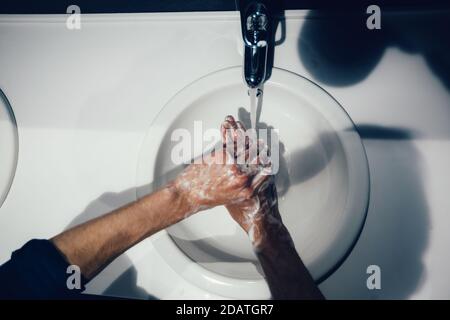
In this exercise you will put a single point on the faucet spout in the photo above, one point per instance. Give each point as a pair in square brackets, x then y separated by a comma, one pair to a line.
[256, 24]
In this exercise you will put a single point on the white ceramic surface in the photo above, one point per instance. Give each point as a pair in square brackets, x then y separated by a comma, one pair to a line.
[323, 181]
[9, 147]
[80, 141]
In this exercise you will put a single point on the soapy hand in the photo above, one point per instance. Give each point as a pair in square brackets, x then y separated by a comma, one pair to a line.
[258, 214]
[219, 179]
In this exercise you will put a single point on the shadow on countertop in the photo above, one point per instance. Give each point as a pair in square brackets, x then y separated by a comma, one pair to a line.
[396, 231]
[125, 284]
[341, 51]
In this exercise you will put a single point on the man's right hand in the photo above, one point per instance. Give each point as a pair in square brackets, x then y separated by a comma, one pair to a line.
[257, 215]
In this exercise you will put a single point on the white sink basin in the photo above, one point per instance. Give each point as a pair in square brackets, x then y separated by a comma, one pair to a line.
[8, 147]
[323, 182]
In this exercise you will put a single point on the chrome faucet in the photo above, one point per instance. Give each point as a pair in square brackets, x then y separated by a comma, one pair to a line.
[256, 23]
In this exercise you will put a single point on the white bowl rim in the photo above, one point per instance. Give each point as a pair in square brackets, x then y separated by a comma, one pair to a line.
[209, 280]
[9, 130]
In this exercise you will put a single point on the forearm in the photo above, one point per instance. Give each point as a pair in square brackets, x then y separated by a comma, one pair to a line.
[285, 272]
[94, 244]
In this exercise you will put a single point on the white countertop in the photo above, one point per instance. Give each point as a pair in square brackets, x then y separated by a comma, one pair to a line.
[84, 99]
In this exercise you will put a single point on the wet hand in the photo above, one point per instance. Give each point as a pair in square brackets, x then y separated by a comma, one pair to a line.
[219, 179]
[259, 213]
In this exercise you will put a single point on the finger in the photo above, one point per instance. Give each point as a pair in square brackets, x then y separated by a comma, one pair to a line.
[223, 132]
[252, 154]
[262, 146]
[258, 150]
[226, 130]
[241, 155]
[240, 125]
[241, 133]
[227, 125]
[229, 156]
[251, 139]
[258, 181]
[231, 120]
[247, 155]
[240, 142]
[264, 157]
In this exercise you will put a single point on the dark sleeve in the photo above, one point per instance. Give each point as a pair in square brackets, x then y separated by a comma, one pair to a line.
[37, 271]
